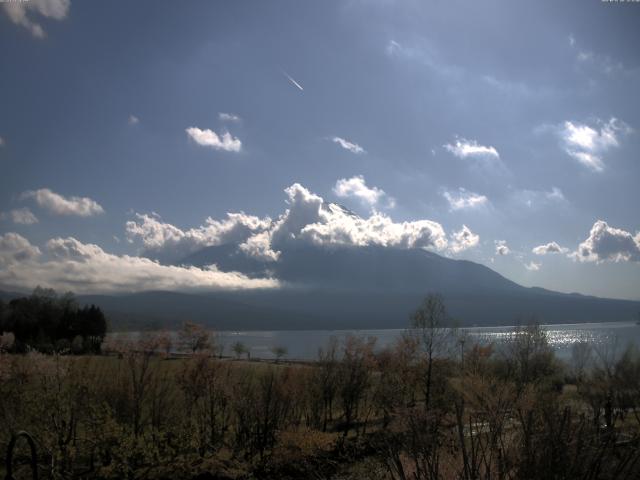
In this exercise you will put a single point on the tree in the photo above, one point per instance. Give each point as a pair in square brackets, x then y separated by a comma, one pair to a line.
[581, 353]
[327, 378]
[3, 311]
[529, 355]
[431, 324]
[354, 375]
[279, 352]
[193, 337]
[239, 348]
[205, 383]
[45, 320]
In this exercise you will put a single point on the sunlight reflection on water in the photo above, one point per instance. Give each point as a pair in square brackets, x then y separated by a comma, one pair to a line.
[304, 344]
[563, 337]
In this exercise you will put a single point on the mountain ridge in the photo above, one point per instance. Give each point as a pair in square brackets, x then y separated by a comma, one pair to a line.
[353, 287]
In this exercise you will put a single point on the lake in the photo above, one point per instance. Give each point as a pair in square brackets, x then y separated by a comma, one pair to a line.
[304, 344]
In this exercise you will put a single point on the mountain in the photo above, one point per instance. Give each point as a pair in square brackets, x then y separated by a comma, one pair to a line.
[353, 287]
[379, 287]
[370, 268]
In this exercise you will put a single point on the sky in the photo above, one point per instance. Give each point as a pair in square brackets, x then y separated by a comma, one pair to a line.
[505, 133]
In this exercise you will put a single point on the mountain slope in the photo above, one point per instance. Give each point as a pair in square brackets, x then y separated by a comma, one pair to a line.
[348, 287]
[376, 287]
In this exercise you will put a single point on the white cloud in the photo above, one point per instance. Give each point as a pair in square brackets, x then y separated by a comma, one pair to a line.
[502, 248]
[584, 56]
[464, 200]
[393, 47]
[133, 120]
[555, 194]
[356, 187]
[608, 243]
[602, 63]
[229, 117]
[347, 145]
[23, 216]
[17, 11]
[532, 266]
[425, 53]
[463, 148]
[310, 220]
[587, 145]
[551, 247]
[166, 241]
[86, 268]
[59, 205]
[209, 138]
[259, 246]
[463, 239]
[539, 198]
[15, 249]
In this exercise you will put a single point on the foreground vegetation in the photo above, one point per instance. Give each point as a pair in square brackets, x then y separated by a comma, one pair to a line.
[431, 406]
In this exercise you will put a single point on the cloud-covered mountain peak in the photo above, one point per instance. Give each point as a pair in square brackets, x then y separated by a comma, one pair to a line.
[308, 220]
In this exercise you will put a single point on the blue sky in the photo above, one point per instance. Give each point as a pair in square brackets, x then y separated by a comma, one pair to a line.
[512, 127]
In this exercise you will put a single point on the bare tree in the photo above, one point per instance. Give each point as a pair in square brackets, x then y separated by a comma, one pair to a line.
[240, 348]
[279, 352]
[432, 325]
[581, 357]
[529, 355]
[193, 337]
[327, 378]
[354, 377]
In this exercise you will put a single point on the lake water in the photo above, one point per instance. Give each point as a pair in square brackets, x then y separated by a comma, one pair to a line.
[304, 344]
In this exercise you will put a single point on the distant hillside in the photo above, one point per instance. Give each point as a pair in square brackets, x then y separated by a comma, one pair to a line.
[170, 309]
[345, 288]
[370, 287]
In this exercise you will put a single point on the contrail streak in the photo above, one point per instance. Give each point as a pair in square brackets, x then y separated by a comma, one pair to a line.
[293, 82]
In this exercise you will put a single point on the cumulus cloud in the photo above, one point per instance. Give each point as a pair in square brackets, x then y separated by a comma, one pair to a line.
[229, 117]
[168, 242]
[463, 239]
[60, 205]
[209, 138]
[307, 220]
[464, 200]
[87, 268]
[23, 216]
[551, 247]
[310, 220]
[356, 187]
[347, 145]
[15, 249]
[588, 144]
[502, 248]
[19, 13]
[608, 243]
[133, 120]
[532, 266]
[463, 148]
